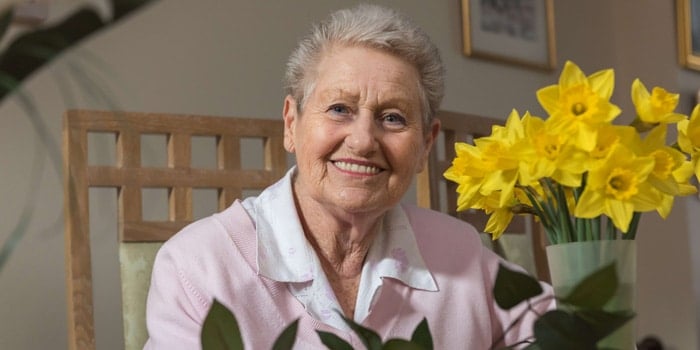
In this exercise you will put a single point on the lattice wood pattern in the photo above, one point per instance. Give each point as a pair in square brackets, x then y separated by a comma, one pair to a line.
[129, 177]
[460, 127]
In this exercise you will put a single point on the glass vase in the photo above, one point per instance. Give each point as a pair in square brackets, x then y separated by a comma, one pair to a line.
[570, 263]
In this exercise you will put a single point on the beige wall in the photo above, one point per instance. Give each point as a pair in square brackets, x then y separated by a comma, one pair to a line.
[227, 58]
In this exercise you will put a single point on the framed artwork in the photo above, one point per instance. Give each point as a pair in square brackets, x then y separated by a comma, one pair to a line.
[688, 32]
[514, 31]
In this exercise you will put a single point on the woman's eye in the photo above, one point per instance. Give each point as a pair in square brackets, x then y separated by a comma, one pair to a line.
[394, 119]
[339, 109]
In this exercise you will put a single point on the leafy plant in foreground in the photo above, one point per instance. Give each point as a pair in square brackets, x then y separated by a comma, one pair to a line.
[220, 331]
[579, 322]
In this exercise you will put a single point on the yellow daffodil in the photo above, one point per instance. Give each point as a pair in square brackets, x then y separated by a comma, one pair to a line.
[498, 222]
[671, 172]
[500, 216]
[656, 107]
[544, 153]
[466, 174]
[671, 169]
[480, 169]
[689, 139]
[505, 177]
[576, 166]
[578, 105]
[610, 136]
[618, 188]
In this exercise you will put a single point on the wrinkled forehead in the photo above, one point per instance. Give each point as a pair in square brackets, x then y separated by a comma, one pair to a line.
[339, 71]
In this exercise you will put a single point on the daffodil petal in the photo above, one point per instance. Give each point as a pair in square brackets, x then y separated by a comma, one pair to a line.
[603, 82]
[589, 205]
[620, 212]
[549, 98]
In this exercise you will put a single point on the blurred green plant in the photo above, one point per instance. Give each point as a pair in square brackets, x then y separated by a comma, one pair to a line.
[421, 339]
[220, 332]
[26, 53]
[579, 322]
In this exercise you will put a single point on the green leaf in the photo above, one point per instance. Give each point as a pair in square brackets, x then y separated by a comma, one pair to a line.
[514, 287]
[402, 344]
[602, 323]
[421, 335]
[33, 49]
[5, 20]
[286, 339]
[557, 330]
[369, 337]
[333, 342]
[595, 290]
[220, 329]
[121, 8]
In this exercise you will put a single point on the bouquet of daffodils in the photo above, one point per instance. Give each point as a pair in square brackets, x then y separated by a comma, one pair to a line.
[582, 176]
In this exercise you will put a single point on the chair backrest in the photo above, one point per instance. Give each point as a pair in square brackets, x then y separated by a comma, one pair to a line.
[140, 239]
[433, 191]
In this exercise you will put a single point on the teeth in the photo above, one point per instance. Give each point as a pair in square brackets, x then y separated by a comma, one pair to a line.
[356, 168]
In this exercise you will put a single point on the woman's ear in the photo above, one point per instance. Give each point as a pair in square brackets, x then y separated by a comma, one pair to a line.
[289, 114]
[429, 140]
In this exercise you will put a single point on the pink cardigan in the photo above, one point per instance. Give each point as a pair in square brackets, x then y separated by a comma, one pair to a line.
[216, 258]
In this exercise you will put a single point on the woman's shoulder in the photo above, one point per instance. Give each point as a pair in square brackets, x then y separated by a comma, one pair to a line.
[441, 233]
[434, 222]
[452, 248]
[211, 234]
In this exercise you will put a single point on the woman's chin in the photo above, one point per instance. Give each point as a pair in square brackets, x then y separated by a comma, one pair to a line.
[358, 201]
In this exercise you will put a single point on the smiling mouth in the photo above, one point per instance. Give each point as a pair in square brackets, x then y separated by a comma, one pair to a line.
[357, 168]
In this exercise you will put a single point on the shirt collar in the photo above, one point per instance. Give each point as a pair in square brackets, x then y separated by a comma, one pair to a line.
[395, 254]
[284, 254]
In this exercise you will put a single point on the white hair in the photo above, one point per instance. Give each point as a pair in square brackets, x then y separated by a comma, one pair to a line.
[375, 27]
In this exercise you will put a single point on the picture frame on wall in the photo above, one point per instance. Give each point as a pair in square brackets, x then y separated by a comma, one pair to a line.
[688, 33]
[517, 32]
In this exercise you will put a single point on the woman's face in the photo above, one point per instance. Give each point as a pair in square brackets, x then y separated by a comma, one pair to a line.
[360, 138]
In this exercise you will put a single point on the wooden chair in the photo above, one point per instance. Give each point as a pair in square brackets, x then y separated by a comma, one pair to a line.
[139, 239]
[433, 191]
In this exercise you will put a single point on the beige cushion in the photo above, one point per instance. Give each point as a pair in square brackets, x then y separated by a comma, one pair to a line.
[136, 261]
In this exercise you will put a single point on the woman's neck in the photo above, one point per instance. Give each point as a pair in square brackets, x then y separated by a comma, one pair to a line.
[341, 240]
[341, 247]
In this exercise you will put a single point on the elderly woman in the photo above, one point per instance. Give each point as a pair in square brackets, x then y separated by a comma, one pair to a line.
[331, 238]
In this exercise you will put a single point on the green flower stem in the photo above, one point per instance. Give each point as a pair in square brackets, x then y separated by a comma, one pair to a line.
[555, 227]
[595, 228]
[585, 229]
[612, 232]
[632, 231]
[579, 222]
[544, 213]
[549, 201]
[550, 207]
[580, 229]
[564, 215]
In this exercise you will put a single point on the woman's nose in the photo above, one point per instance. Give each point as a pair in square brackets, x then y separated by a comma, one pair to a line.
[362, 136]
